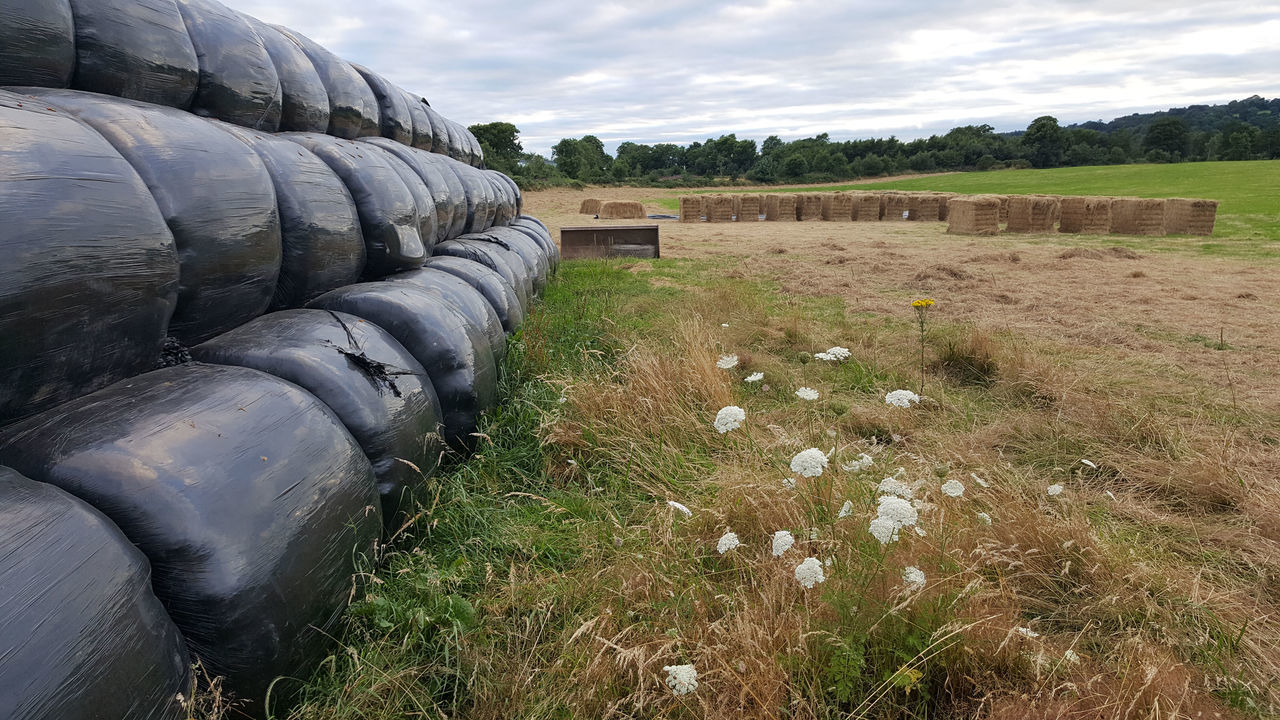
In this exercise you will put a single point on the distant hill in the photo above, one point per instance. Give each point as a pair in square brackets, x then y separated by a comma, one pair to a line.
[1256, 111]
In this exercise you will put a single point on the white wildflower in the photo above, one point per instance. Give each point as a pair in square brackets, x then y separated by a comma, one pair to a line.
[789, 483]
[828, 562]
[901, 398]
[913, 577]
[953, 488]
[806, 393]
[727, 362]
[893, 514]
[754, 377]
[884, 530]
[1027, 632]
[1112, 496]
[1071, 657]
[562, 400]
[782, 542]
[863, 462]
[838, 353]
[980, 481]
[921, 532]
[825, 356]
[813, 533]
[809, 573]
[846, 509]
[809, 463]
[1088, 463]
[682, 679]
[677, 506]
[985, 518]
[1055, 490]
[730, 418]
[893, 486]
[728, 541]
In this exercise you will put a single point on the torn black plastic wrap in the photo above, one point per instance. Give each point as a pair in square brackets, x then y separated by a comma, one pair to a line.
[238, 81]
[246, 493]
[497, 258]
[500, 294]
[379, 391]
[83, 634]
[464, 298]
[135, 49]
[304, 103]
[216, 196]
[428, 171]
[395, 121]
[37, 43]
[388, 210]
[89, 276]
[353, 110]
[456, 356]
[423, 199]
[321, 244]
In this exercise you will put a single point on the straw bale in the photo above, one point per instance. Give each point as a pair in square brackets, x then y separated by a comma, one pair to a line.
[923, 207]
[1097, 216]
[1137, 216]
[973, 215]
[944, 201]
[1031, 213]
[894, 206]
[1004, 208]
[1072, 214]
[590, 206]
[622, 210]
[747, 208]
[719, 208]
[690, 208]
[837, 207]
[780, 207]
[866, 207]
[1186, 216]
[808, 207]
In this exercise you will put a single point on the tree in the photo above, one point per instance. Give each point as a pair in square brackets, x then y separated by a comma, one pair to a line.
[1168, 134]
[795, 166]
[565, 155]
[500, 141]
[1044, 142]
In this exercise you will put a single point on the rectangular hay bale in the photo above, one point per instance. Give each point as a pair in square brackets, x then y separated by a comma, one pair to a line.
[923, 207]
[590, 206]
[973, 215]
[748, 208]
[690, 208]
[894, 206]
[719, 208]
[837, 207]
[808, 207]
[622, 210]
[866, 207]
[1188, 216]
[1137, 216]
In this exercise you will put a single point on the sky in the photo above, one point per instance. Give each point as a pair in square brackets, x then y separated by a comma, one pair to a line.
[679, 71]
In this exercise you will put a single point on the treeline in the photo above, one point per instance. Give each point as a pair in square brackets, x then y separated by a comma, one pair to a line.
[1241, 130]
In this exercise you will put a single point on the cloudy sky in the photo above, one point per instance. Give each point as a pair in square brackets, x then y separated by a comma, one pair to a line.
[682, 70]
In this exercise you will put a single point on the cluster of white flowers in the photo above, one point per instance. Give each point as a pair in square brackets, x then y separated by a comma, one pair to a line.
[901, 398]
[782, 542]
[863, 462]
[1071, 657]
[809, 573]
[809, 463]
[846, 509]
[754, 377]
[728, 541]
[1027, 632]
[985, 518]
[894, 486]
[730, 418]
[682, 679]
[893, 514]
[835, 354]
[683, 510]
[727, 362]
[1055, 490]
[806, 393]
[789, 483]
[914, 579]
[953, 488]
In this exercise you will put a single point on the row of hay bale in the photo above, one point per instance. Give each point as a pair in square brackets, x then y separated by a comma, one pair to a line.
[985, 215]
[803, 207]
[201, 56]
[613, 209]
[229, 360]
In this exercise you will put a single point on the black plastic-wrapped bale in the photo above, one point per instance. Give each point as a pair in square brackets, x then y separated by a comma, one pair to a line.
[304, 104]
[476, 194]
[454, 193]
[395, 120]
[216, 196]
[487, 211]
[423, 135]
[440, 192]
[83, 634]
[379, 391]
[37, 43]
[238, 80]
[135, 49]
[321, 244]
[439, 130]
[456, 355]
[388, 210]
[246, 493]
[477, 152]
[89, 276]
[454, 133]
[353, 110]
[463, 297]
[505, 206]
[535, 257]
[500, 294]
[542, 237]
[423, 199]
[501, 260]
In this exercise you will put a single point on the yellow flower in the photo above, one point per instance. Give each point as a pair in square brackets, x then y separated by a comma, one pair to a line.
[922, 303]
